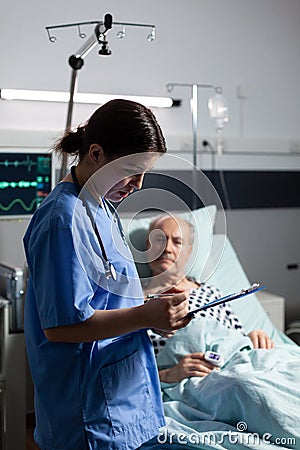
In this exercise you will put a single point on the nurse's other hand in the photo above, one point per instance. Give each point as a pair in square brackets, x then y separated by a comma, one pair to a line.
[260, 339]
[167, 313]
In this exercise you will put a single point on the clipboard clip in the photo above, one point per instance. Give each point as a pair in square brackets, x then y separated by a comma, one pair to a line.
[253, 287]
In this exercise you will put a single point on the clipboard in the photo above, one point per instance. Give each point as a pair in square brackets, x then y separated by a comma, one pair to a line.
[255, 287]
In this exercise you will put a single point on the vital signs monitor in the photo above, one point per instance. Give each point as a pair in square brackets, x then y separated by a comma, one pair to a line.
[26, 178]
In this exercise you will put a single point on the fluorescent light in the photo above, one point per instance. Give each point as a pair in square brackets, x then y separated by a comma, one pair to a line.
[160, 102]
[92, 99]
[43, 96]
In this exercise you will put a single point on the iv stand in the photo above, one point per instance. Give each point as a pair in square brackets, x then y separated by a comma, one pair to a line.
[194, 107]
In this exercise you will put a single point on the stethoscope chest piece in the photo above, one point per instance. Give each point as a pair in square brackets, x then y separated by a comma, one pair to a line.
[110, 271]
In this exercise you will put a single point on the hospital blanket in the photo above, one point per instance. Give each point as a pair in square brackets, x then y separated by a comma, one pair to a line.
[254, 401]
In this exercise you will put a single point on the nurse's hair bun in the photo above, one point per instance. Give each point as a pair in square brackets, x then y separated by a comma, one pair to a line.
[72, 141]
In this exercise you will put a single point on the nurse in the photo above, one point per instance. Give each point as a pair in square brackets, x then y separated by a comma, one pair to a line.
[92, 364]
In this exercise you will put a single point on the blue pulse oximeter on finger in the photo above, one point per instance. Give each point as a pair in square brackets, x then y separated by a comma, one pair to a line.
[214, 358]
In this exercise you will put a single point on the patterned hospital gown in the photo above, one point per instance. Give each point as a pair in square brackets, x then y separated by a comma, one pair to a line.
[198, 297]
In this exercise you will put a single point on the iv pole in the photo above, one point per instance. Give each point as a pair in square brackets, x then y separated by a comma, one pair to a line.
[194, 107]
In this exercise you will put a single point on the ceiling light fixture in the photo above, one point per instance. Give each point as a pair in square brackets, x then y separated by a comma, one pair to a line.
[85, 98]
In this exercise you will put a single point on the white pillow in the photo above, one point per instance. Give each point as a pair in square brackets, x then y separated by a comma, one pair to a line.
[203, 220]
[229, 276]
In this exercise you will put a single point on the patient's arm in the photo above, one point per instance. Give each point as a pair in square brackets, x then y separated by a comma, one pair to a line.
[192, 365]
[260, 339]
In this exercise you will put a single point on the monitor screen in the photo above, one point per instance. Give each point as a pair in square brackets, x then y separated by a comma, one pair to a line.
[26, 178]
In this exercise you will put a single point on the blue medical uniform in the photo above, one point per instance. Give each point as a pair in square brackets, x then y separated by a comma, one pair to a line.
[97, 395]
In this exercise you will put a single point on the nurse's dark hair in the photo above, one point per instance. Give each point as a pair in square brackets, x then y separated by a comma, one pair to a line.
[121, 127]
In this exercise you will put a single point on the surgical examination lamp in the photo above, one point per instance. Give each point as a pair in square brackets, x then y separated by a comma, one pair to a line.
[76, 61]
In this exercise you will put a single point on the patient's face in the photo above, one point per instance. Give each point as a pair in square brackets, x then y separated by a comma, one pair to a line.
[169, 246]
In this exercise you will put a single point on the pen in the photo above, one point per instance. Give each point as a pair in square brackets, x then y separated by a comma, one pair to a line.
[159, 295]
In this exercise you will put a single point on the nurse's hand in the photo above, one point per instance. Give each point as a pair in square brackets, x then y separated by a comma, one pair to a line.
[167, 313]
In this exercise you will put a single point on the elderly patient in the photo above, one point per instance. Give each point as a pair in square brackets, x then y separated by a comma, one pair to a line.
[169, 243]
[258, 385]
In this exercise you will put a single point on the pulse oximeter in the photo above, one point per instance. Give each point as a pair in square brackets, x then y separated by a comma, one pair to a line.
[214, 358]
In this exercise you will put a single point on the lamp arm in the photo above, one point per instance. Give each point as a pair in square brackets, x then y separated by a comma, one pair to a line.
[76, 62]
[91, 42]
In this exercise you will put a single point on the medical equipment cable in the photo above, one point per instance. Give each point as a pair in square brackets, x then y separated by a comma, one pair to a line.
[206, 143]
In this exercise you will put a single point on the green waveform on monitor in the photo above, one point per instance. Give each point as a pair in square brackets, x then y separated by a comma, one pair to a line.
[25, 162]
[19, 184]
[19, 200]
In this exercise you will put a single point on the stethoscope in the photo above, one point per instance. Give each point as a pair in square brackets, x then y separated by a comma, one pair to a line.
[110, 271]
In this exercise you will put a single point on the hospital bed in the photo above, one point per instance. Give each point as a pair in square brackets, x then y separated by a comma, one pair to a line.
[214, 260]
[188, 415]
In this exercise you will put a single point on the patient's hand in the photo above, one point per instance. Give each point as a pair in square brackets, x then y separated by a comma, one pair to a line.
[260, 339]
[192, 365]
[165, 283]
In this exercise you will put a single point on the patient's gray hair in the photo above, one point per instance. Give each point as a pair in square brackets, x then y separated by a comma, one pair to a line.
[162, 217]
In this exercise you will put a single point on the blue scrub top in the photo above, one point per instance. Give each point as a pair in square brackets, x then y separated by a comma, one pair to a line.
[97, 395]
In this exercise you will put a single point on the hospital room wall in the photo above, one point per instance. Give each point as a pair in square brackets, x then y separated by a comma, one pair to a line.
[248, 47]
